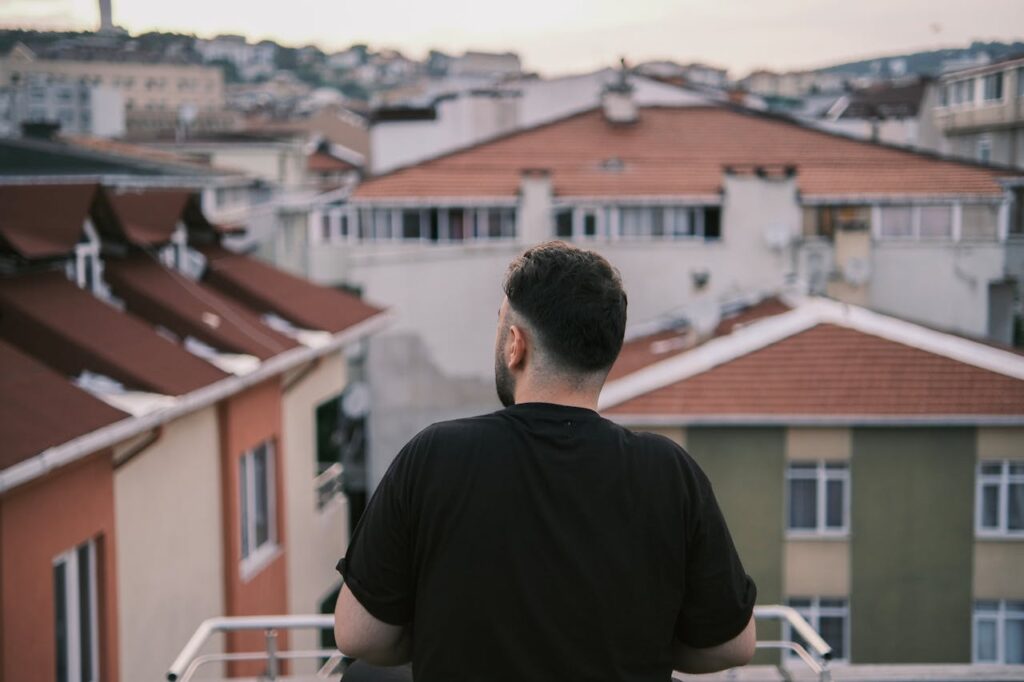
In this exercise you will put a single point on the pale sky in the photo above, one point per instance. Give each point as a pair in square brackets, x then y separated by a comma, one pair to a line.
[565, 36]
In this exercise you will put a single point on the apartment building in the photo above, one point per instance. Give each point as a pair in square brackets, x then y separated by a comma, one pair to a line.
[696, 205]
[163, 412]
[456, 115]
[980, 113]
[78, 108]
[156, 95]
[870, 470]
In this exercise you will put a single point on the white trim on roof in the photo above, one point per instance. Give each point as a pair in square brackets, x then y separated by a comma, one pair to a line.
[432, 201]
[900, 199]
[120, 431]
[814, 420]
[807, 314]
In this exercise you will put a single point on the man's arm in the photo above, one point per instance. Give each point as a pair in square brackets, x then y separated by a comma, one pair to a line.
[733, 653]
[360, 635]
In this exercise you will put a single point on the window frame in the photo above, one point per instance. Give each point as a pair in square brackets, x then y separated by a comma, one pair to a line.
[824, 472]
[72, 601]
[999, 616]
[1003, 480]
[255, 557]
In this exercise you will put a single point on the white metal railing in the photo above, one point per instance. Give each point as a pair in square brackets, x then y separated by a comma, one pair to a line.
[328, 483]
[190, 660]
[821, 653]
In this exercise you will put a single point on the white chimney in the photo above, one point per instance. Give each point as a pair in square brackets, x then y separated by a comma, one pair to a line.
[617, 100]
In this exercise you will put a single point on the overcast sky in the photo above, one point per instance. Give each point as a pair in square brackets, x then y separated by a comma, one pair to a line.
[562, 36]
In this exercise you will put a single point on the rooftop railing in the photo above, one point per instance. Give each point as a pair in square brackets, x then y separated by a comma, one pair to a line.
[190, 660]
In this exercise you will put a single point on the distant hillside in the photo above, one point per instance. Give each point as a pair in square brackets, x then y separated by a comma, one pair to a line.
[925, 63]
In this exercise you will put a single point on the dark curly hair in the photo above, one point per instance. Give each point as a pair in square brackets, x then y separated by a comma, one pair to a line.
[574, 301]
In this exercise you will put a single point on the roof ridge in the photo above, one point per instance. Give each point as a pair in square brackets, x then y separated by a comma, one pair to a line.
[809, 313]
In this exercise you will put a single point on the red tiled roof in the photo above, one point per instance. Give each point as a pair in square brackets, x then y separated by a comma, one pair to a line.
[40, 221]
[39, 408]
[833, 370]
[145, 218]
[188, 308]
[679, 151]
[267, 289]
[71, 330]
[647, 350]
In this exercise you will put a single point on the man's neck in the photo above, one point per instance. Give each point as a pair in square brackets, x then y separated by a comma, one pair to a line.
[529, 392]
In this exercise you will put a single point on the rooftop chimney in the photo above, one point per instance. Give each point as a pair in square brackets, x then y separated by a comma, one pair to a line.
[617, 100]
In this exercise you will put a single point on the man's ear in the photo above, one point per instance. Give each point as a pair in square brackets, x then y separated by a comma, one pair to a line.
[516, 347]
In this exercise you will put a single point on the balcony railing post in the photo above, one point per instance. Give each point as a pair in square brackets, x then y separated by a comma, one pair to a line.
[271, 654]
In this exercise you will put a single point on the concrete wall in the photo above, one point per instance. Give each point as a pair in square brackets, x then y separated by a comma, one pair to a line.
[745, 468]
[317, 538]
[911, 542]
[170, 558]
[38, 522]
[942, 284]
[247, 419]
[462, 120]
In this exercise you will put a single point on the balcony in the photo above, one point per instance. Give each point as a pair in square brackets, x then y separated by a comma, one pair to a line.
[811, 663]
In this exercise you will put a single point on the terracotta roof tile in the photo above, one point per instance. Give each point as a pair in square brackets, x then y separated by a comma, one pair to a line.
[679, 151]
[39, 408]
[266, 289]
[647, 350]
[71, 330]
[832, 370]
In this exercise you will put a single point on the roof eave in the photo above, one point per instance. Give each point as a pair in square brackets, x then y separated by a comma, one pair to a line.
[113, 434]
[813, 420]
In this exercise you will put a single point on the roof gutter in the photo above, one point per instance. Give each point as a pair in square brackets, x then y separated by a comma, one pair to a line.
[805, 420]
[112, 434]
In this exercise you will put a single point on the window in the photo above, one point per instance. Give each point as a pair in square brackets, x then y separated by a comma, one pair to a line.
[999, 499]
[1020, 82]
[980, 222]
[75, 614]
[817, 497]
[984, 148]
[998, 632]
[936, 222]
[563, 223]
[897, 222]
[258, 506]
[830, 617]
[992, 87]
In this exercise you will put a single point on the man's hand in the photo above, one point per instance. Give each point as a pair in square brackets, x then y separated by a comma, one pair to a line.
[360, 635]
[736, 652]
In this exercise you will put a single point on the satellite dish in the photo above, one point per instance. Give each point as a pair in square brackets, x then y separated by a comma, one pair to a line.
[856, 271]
[187, 114]
[356, 402]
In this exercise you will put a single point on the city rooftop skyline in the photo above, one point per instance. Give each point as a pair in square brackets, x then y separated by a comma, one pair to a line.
[555, 38]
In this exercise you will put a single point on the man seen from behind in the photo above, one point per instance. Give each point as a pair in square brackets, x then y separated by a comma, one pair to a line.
[544, 542]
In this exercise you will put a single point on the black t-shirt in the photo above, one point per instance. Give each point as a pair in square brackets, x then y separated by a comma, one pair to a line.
[544, 542]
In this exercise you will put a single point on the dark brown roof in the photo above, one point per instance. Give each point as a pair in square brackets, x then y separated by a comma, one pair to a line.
[71, 330]
[833, 370]
[145, 218]
[322, 162]
[187, 308]
[44, 221]
[39, 408]
[678, 151]
[266, 289]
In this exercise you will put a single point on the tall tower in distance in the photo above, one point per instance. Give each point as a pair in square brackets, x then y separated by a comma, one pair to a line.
[106, 17]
